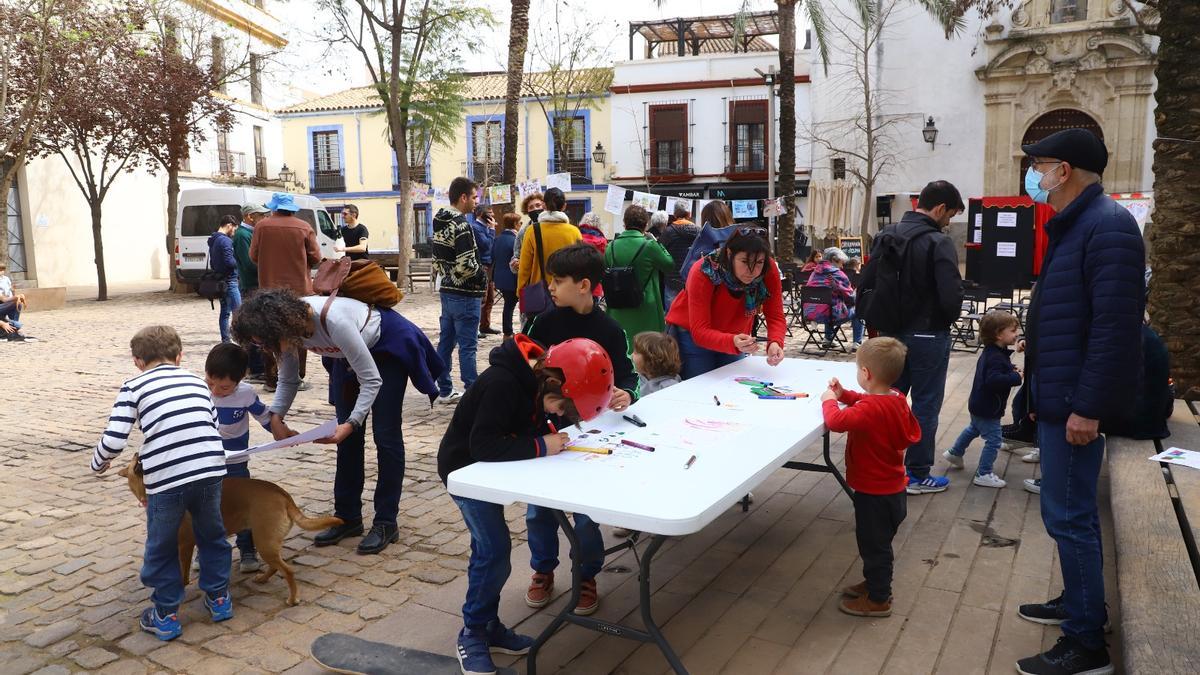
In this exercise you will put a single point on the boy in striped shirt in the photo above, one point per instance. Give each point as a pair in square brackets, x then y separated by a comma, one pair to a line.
[236, 402]
[182, 462]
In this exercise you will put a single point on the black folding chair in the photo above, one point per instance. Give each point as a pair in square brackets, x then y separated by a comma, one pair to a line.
[965, 331]
[818, 295]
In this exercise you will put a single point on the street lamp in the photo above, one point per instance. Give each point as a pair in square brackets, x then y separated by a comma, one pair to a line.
[599, 155]
[930, 132]
[286, 175]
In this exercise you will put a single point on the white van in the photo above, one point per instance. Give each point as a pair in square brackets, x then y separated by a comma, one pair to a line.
[200, 212]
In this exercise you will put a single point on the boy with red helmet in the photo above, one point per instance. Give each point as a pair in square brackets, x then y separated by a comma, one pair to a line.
[572, 273]
[503, 418]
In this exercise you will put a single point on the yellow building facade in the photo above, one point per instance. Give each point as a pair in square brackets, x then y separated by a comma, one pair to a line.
[338, 147]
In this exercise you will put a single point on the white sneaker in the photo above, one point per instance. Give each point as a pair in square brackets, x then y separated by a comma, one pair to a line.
[955, 460]
[451, 398]
[989, 480]
[1033, 457]
[1033, 485]
[854, 347]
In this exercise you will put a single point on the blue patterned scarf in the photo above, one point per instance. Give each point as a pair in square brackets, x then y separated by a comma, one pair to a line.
[754, 294]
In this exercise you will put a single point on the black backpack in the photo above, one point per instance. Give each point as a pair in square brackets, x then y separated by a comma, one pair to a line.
[213, 285]
[880, 301]
[621, 287]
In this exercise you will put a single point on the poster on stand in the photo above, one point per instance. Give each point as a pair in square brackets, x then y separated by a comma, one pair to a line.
[499, 194]
[614, 200]
[745, 208]
[562, 181]
[646, 201]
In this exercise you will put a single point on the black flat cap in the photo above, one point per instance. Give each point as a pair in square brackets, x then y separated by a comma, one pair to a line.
[1078, 147]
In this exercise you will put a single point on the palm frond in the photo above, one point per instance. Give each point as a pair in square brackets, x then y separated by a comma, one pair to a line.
[946, 13]
[819, 23]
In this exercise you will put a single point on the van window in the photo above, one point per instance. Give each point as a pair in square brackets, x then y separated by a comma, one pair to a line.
[328, 227]
[308, 216]
[202, 220]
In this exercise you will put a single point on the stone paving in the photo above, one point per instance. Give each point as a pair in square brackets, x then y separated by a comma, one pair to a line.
[753, 593]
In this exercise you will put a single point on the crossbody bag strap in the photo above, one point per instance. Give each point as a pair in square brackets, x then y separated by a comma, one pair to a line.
[325, 311]
[537, 253]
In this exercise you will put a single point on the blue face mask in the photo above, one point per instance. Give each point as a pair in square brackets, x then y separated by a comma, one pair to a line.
[1033, 186]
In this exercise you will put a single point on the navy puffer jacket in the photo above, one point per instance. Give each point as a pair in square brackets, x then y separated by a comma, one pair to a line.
[1085, 327]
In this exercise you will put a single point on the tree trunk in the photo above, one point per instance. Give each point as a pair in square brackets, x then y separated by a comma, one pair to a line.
[405, 223]
[784, 225]
[518, 39]
[172, 209]
[1175, 232]
[98, 247]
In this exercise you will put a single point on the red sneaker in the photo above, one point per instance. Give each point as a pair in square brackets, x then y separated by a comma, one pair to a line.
[589, 600]
[541, 590]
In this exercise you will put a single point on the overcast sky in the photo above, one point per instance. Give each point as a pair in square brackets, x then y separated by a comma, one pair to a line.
[325, 76]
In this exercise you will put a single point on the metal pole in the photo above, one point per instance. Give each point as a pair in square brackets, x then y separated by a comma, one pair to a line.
[770, 78]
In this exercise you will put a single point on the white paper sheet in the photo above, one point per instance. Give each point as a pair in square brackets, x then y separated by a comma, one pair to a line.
[646, 201]
[1006, 219]
[745, 208]
[324, 431]
[1006, 249]
[614, 200]
[977, 236]
[562, 181]
[1179, 456]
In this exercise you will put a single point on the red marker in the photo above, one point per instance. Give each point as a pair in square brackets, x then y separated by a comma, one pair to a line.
[550, 424]
[639, 446]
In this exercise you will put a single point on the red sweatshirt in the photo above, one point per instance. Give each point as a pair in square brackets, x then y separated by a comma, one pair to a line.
[878, 429]
[714, 315]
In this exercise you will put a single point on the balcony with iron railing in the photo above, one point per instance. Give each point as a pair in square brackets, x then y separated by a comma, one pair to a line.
[260, 166]
[485, 172]
[417, 173]
[580, 168]
[229, 164]
[669, 164]
[327, 180]
[746, 162]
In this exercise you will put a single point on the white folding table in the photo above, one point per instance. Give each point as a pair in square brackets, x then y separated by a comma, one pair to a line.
[737, 440]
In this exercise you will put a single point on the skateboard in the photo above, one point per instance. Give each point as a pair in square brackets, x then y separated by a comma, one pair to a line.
[343, 653]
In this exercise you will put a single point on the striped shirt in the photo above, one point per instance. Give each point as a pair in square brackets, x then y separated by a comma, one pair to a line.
[233, 417]
[175, 412]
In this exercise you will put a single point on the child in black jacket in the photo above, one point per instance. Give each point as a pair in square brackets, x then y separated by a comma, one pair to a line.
[502, 418]
[995, 375]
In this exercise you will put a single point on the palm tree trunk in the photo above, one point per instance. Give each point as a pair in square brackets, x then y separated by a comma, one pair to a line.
[784, 227]
[1175, 232]
[518, 39]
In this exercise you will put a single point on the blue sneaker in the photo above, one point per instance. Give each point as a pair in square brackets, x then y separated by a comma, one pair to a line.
[162, 627]
[506, 640]
[220, 607]
[927, 485]
[473, 655]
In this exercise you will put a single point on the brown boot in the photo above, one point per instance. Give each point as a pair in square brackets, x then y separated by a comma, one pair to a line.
[541, 589]
[856, 591]
[864, 606]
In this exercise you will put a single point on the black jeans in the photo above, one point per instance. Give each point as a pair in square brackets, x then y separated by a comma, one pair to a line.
[510, 303]
[386, 415]
[876, 519]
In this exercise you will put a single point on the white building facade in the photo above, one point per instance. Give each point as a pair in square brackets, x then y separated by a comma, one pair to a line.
[696, 126]
[48, 219]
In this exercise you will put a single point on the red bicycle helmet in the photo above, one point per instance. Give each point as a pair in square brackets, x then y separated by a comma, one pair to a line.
[588, 373]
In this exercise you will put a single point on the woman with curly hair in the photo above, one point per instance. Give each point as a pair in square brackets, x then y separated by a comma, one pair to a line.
[374, 352]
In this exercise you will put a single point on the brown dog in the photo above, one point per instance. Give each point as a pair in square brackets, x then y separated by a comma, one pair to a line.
[264, 508]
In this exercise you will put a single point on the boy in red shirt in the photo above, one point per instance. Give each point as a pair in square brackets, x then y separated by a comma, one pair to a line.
[879, 426]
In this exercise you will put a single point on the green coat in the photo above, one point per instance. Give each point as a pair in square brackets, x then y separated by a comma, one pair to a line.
[650, 267]
[247, 270]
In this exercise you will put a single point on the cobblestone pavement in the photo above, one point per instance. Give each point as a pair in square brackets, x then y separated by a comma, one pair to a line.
[752, 593]
[71, 543]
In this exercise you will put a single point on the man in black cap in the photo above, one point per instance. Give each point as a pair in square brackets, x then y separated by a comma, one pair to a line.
[916, 294]
[1083, 346]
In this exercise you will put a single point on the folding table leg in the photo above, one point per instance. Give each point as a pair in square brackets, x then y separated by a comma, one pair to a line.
[567, 615]
[827, 467]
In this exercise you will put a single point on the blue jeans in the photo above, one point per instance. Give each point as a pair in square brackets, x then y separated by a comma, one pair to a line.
[244, 539]
[160, 562]
[1072, 518]
[542, 529]
[925, 375]
[490, 564]
[459, 324]
[669, 295]
[229, 305]
[856, 327]
[386, 416]
[11, 313]
[696, 359]
[989, 429]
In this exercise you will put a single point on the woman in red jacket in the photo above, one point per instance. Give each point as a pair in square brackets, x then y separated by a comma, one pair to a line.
[713, 316]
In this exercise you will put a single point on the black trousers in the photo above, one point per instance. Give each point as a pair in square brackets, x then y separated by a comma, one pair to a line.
[510, 303]
[876, 519]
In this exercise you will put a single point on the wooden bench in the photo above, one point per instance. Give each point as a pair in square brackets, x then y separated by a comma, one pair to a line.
[1160, 595]
[420, 270]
